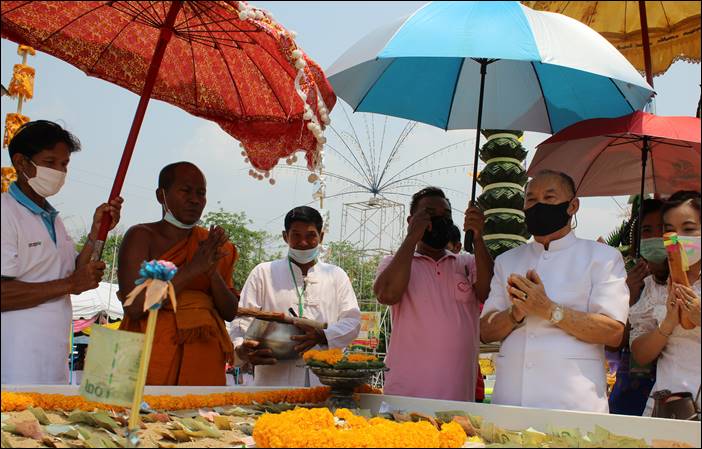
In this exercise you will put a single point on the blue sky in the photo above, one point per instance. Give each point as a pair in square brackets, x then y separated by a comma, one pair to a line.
[100, 114]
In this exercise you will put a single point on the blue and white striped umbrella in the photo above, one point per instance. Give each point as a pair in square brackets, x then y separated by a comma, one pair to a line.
[488, 65]
[550, 70]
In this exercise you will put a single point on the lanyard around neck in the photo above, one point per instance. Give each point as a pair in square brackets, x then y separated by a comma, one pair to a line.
[300, 294]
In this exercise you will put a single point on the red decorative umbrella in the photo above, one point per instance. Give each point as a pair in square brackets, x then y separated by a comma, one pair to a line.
[224, 61]
[609, 156]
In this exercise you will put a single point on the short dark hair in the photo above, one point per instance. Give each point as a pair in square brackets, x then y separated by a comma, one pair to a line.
[39, 135]
[649, 206]
[425, 192]
[566, 179]
[681, 197]
[454, 234]
[304, 214]
[168, 173]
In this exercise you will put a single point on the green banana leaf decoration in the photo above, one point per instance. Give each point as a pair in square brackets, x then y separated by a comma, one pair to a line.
[502, 181]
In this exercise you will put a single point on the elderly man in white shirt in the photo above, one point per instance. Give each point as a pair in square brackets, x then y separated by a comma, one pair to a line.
[554, 304]
[314, 290]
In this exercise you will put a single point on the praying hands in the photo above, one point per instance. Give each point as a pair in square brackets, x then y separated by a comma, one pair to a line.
[528, 295]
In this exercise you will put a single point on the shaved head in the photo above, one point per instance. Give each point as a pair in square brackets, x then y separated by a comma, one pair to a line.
[170, 172]
[561, 180]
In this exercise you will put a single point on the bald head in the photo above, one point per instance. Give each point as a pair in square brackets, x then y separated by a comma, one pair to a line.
[171, 172]
[556, 178]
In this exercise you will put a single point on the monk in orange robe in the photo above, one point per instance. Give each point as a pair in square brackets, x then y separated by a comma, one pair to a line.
[191, 345]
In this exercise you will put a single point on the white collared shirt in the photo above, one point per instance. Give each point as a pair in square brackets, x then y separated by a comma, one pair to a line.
[328, 297]
[540, 365]
[35, 341]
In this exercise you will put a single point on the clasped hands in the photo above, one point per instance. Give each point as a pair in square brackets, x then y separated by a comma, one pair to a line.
[528, 296]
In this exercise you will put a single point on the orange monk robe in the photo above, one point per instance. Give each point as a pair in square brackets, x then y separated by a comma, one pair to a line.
[192, 345]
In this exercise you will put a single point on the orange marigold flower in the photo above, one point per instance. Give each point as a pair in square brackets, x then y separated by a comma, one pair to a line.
[360, 358]
[317, 428]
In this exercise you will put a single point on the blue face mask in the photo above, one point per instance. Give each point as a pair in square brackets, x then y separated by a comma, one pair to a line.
[170, 218]
[303, 256]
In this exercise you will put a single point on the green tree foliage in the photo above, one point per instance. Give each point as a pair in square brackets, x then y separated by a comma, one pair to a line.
[360, 267]
[251, 244]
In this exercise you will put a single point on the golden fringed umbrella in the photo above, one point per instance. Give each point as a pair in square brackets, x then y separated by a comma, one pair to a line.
[651, 35]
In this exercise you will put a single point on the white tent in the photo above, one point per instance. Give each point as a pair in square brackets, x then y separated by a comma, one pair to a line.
[91, 302]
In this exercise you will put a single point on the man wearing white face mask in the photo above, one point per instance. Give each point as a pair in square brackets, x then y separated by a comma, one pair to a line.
[312, 289]
[40, 266]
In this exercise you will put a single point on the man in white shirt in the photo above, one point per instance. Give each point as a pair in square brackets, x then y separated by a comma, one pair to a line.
[314, 290]
[555, 303]
[40, 269]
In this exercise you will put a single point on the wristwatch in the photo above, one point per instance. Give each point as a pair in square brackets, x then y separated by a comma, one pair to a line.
[557, 314]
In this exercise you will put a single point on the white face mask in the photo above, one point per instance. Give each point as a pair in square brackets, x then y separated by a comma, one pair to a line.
[47, 182]
[303, 256]
[170, 218]
[692, 247]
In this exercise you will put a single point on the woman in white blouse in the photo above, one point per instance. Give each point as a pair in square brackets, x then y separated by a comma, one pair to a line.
[655, 320]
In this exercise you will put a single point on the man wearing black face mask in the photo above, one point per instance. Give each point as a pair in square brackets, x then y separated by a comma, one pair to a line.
[555, 303]
[435, 297]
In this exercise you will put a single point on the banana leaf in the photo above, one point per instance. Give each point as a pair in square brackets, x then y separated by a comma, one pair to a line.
[503, 172]
[489, 132]
[503, 147]
[505, 223]
[497, 247]
[502, 197]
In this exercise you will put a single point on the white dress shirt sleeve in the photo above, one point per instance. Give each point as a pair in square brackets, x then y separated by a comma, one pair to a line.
[609, 295]
[497, 300]
[8, 244]
[348, 323]
[250, 298]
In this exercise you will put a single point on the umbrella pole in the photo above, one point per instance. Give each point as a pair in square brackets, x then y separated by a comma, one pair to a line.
[644, 159]
[468, 241]
[164, 37]
[645, 42]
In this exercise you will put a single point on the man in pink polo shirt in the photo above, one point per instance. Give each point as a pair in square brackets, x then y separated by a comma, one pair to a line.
[435, 297]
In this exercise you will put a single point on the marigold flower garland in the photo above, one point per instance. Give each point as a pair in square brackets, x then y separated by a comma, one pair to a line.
[12, 402]
[330, 356]
[335, 358]
[319, 428]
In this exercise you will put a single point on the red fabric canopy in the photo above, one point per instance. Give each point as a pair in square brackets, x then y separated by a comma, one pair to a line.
[226, 62]
[604, 156]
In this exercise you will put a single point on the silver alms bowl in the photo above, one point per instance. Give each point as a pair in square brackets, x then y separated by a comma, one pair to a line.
[276, 337]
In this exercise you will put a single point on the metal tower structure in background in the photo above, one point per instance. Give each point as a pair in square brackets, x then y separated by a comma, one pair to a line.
[374, 228]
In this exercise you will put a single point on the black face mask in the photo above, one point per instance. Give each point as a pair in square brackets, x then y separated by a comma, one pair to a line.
[544, 219]
[438, 237]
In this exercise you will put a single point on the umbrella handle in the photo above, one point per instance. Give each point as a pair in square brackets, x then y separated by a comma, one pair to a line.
[468, 241]
[165, 34]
